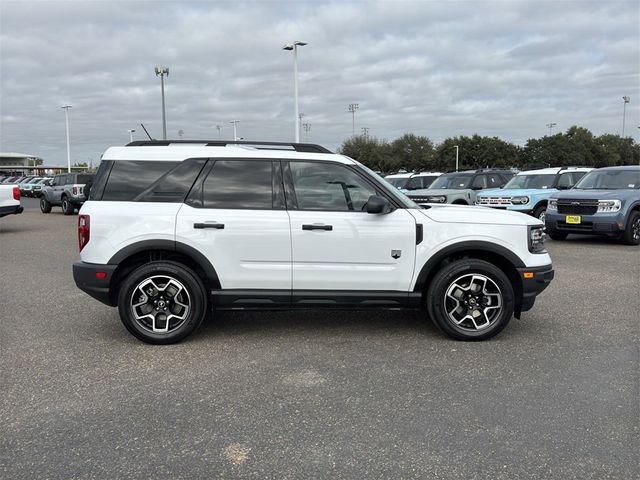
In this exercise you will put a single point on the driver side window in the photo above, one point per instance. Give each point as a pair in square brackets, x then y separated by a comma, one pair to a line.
[329, 187]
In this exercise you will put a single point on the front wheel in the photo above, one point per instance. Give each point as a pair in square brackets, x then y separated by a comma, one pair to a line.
[45, 205]
[631, 235]
[540, 213]
[470, 299]
[162, 302]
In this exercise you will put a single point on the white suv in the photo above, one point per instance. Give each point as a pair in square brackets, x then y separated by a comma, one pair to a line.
[173, 230]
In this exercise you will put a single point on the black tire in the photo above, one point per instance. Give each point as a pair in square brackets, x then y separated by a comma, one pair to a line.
[161, 271]
[67, 207]
[45, 206]
[631, 235]
[438, 300]
[540, 212]
[556, 235]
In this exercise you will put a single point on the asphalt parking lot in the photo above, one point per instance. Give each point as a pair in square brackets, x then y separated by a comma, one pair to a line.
[293, 395]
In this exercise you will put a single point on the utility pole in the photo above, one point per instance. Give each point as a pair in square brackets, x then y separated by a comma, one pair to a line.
[352, 108]
[457, 154]
[626, 100]
[162, 72]
[235, 129]
[294, 47]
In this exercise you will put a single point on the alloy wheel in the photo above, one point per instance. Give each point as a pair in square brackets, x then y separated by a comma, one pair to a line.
[473, 302]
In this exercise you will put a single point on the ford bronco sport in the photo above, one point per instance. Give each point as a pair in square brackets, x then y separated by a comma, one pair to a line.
[175, 229]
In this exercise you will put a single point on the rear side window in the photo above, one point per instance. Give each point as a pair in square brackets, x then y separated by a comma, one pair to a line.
[174, 185]
[245, 184]
[129, 178]
[83, 178]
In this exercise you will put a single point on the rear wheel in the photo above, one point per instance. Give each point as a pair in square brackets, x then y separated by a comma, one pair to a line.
[162, 302]
[67, 207]
[470, 299]
[45, 206]
[555, 235]
[631, 235]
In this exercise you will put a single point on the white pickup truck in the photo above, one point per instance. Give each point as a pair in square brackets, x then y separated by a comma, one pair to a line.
[10, 200]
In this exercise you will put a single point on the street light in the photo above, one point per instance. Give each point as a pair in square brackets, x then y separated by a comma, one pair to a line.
[550, 126]
[626, 100]
[161, 72]
[66, 116]
[294, 46]
[307, 128]
[457, 154]
[235, 129]
[131, 130]
[365, 131]
[219, 128]
[352, 108]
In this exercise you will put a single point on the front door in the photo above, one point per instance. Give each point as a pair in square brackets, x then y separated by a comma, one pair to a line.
[336, 244]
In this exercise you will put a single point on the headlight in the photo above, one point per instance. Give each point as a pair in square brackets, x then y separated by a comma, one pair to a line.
[553, 204]
[609, 205]
[519, 200]
[437, 199]
[536, 239]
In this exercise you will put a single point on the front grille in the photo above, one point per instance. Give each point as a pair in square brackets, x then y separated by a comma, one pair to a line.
[494, 201]
[577, 207]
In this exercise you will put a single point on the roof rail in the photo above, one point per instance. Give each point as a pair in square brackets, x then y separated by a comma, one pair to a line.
[298, 147]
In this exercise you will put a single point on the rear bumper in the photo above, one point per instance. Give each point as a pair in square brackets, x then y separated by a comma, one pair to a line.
[84, 274]
[11, 210]
[532, 287]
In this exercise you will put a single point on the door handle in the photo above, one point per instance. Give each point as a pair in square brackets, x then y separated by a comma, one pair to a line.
[217, 226]
[316, 226]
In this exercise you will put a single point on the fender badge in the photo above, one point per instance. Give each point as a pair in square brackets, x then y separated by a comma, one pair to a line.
[396, 253]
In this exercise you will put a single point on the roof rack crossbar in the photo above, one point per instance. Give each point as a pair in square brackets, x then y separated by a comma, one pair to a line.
[298, 147]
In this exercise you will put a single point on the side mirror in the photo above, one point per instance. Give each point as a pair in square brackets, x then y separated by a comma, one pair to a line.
[377, 204]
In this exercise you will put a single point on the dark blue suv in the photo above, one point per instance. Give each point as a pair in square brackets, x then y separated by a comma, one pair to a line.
[604, 202]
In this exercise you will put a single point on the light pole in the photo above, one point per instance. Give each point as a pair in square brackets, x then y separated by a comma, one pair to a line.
[550, 126]
[457, 154]
[131, 130]
[307, 127]
[219, 128]
[352, 108]
[294, 46]
[66, 117]
[300, 115]
[161, 72]
[626, 100]
[235, 129]
[365, 131]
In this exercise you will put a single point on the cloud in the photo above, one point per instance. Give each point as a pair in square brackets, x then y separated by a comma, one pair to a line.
[435, 68]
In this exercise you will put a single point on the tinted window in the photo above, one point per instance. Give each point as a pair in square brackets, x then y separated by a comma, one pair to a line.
[610, 180]
[239, 184]
[129, 178]
[494, 180]
[480, 182]
[83, 178]
[100, 180]
[325, 186]
[456, 181]
[175, 184]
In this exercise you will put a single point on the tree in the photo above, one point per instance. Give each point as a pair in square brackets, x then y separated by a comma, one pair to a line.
[81, 164]
[477, 152]
[34, 161]
[413, 153]
[370, 151]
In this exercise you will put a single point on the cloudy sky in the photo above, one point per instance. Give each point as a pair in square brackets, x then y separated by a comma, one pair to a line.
[434, 68]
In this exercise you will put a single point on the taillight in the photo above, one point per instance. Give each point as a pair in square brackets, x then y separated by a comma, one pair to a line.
[16, 193]
[84, 230]
[74, 190]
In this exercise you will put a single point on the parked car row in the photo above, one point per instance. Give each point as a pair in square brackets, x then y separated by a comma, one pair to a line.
[582, 200]
[67, 190]
[30, 186]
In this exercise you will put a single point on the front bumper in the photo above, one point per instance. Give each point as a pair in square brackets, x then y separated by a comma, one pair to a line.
[540, 278]
[84, 274]
[596, 224]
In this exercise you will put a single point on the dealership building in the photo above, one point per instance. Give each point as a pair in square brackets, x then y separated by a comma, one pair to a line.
[18, 161]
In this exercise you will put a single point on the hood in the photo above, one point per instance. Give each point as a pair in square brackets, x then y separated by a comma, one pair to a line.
[437, 191]
[576, 194]
[447, 213]
[514, 192]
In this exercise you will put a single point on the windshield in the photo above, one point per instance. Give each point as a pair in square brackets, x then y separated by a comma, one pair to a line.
[610, 180]
[392, 190]
[452, 182]
[530, 181]
[398, 182]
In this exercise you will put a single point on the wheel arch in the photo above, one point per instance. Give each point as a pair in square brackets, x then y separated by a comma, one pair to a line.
[495, 254]
[137, 254]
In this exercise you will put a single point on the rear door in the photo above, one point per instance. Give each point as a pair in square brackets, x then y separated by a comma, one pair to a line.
[235, 215]
[336, 244]
[58, 188]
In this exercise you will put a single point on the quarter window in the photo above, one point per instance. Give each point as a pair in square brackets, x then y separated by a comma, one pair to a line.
[242, 184]
[332, 187]
[129, 178]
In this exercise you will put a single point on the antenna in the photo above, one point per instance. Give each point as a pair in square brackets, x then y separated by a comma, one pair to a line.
[145, 131]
